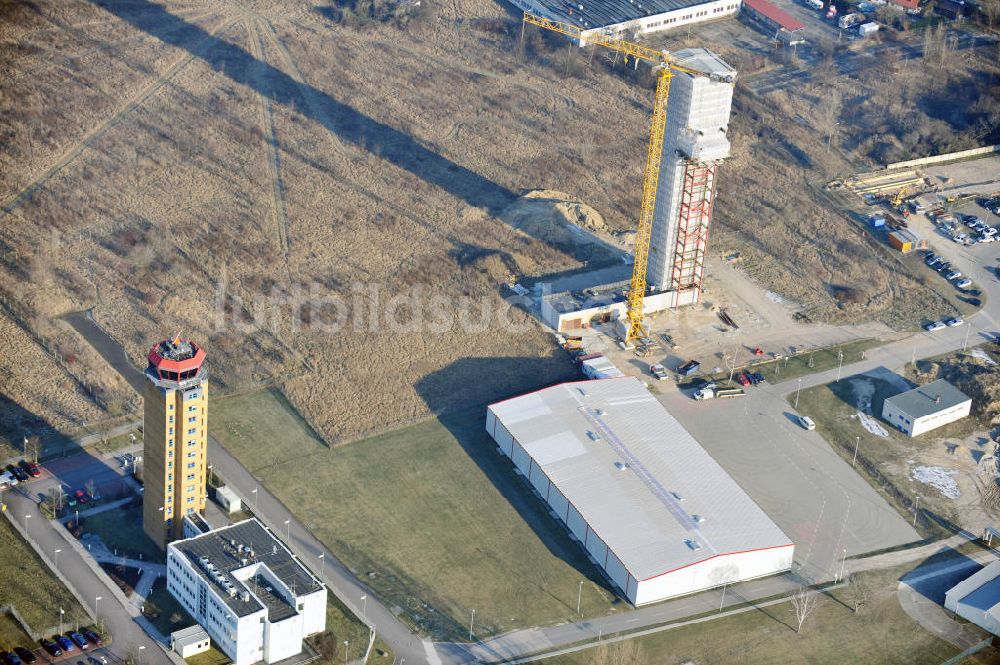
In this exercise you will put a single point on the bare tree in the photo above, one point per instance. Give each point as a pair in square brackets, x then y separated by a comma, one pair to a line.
[804, 602]
[991, 12]
[625, 652]
[860, 591]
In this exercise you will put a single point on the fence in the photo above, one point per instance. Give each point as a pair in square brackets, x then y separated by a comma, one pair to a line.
[947, 157]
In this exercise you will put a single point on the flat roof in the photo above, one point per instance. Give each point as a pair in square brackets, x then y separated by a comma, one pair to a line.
[190, 635]
[779, 16]
[241, 545]
[930, 398]
[591, 14]
[640, 480]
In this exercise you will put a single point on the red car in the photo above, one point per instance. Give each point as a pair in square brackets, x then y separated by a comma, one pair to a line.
[81, 496]
[743, 380]
[31, 468]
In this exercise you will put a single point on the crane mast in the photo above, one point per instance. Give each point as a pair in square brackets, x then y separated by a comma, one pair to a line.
[651, 176]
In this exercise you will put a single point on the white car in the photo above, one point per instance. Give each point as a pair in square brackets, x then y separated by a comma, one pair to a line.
[934, 326]
[953, 275]
[954, 322]
[807, 423]
[964, 283]
[960, 238]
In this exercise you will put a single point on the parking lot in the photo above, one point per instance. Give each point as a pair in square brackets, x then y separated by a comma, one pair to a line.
[816, 498]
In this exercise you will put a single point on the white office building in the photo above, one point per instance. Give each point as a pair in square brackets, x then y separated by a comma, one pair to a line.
[649, 505]
[926, 407]
[248, 591]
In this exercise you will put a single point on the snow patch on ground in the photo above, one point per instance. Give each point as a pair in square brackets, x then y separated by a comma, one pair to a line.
[871, 424]
[940, 478]
[982, 355]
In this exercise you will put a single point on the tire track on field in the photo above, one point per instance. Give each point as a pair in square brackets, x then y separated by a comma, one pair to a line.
[273, 157]
[309, 93]
[198, 50]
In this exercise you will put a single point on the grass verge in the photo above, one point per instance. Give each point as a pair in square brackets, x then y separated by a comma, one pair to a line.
[29, 586]
[430, 516]
[11, 633]
[882, 632]
[163, 610]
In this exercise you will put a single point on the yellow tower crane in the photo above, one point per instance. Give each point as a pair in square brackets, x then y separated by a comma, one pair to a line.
[651, 178]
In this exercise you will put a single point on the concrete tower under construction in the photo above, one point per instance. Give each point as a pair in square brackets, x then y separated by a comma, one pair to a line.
[695, 141]
[175, 438]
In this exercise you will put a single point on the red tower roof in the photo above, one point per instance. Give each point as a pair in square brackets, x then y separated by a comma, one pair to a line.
[176, 359]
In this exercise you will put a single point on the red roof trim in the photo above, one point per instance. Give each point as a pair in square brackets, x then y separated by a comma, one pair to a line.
[715, 556]
[779, 16]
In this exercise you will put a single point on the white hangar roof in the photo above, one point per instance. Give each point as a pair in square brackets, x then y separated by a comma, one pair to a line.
[643, 484]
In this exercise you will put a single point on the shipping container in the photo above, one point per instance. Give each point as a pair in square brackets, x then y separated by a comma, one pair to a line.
[867, 29]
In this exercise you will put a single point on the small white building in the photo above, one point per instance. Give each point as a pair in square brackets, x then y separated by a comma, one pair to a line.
[190, 641]
[248, 591]
[647, 503]
[977, 598]
[926, 407]
[227, 498]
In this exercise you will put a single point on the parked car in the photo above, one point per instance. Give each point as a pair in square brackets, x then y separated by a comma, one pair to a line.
[960, 238]
[807, 423]
[954, 274]
[81, 496]
[743, 380]
[18, 473]
[964, 283]
[931, 259]
[943, 267]
[7, 478]
[31, 468]
[25, 654]
[757, 377]
[79, 640]
[64, 643]
[659, 371]
[10, 658]
[975, 302]
[934, 326]
[70, 501]
[953, 321]
[51, 647]
[93, 637]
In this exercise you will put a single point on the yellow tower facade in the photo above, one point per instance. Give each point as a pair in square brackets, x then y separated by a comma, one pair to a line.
[175, 438]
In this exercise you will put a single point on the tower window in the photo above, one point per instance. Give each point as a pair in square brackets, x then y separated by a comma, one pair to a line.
[192, 430]
[171, 419]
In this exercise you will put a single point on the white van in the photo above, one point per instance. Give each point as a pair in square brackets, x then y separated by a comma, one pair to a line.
[807, 423]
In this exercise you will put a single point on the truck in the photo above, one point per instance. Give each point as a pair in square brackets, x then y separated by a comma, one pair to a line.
[711, 391]
[815, 4]
[850, 20]
[689, 368]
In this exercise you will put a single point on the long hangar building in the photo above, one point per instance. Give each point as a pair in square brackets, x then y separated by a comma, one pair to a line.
[651, 507]
[630, 17]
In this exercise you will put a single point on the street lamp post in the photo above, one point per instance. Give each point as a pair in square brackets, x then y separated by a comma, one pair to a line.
[211, 475]
[56, 553]
[472, 622]
[364, 606]
[857, 442]
[345, 652]
[61, 613]
[843, 564]
[579, 597]
[141, 647]
[840, 356]
[288, 529]
[254, 499]
[916, 511]
[322, 565]
[797, 390]
[97, 598]
[26, 518]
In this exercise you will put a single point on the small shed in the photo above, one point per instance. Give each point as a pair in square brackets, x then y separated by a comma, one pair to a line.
[866, 29]
[877, 220]
[227, 498]
[190, 641]
[906, 241]
[925, 408]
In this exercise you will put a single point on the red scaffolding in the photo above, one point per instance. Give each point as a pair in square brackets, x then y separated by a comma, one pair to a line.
[694, 215]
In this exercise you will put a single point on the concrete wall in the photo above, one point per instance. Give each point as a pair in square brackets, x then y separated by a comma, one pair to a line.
[282, 639]
[947, 157]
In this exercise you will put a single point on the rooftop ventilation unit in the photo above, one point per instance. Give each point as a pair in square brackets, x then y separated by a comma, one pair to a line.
[245, 596]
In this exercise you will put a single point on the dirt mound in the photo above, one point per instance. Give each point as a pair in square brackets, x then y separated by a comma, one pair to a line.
[565, 223]
[975, 374]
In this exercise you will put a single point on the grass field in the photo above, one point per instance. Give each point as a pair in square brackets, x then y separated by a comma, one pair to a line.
[341, 626]
[121, 530]
[163, 610]
[430, 516]
[11, 633]
[211, 657]
[33, 590]
[881, 633]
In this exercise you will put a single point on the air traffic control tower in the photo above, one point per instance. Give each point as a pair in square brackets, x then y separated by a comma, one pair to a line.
[175, 438]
